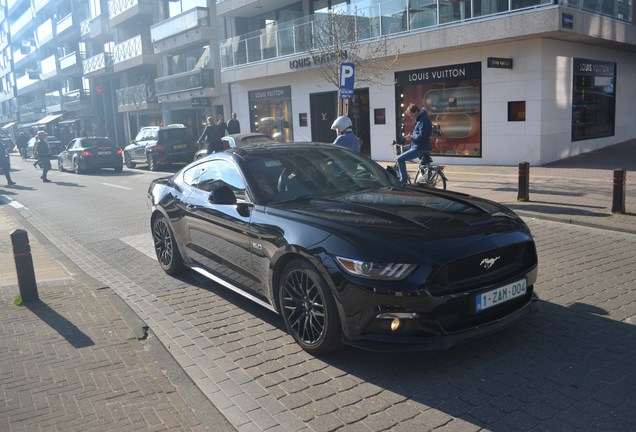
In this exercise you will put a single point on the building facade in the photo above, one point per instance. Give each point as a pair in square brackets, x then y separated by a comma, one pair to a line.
[505, 81]
[108, 67]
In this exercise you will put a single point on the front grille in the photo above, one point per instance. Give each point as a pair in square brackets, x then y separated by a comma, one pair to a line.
[472, 273]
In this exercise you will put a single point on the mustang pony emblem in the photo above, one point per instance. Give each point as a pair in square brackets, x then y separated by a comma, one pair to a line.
[488, 262]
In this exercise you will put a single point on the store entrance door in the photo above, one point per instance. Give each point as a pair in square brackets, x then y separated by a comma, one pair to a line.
[324, 110]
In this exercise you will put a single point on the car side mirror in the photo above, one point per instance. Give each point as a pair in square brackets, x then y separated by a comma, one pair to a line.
[222, 195]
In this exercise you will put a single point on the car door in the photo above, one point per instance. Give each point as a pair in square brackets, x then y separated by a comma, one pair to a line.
[139, 151]
[72, 150]
[219, 234]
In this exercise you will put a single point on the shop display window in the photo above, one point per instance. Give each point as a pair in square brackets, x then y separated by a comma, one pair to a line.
[271, 113]
[593, 99]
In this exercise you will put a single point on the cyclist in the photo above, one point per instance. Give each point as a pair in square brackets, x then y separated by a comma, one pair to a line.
[420, 139]
[346, 138]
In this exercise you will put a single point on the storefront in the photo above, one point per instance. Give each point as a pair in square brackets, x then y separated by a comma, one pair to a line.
[534, 100]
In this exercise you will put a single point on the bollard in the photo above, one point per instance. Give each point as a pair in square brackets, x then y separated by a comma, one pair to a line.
[524, 182]
[24, 265]
[618, 195]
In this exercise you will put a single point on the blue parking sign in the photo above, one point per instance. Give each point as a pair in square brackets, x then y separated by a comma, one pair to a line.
[346, 76]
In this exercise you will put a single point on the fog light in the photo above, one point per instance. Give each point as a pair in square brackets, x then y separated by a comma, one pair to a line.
[395, 324]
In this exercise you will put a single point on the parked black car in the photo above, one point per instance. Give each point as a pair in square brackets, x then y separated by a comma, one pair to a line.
[330, 240]
[83, 154]
[156, 146]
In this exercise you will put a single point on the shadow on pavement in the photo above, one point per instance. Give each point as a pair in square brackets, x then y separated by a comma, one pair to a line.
[60, 324]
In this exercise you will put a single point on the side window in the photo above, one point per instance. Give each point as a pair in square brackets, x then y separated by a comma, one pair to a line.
[216, 173]
[140, 135]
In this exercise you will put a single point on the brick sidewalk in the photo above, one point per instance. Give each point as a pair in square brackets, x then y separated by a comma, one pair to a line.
[71, 361]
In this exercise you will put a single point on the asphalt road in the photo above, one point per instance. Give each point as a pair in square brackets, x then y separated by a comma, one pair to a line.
[569, 367]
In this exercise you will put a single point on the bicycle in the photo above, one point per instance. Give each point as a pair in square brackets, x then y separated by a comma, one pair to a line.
[428, 174]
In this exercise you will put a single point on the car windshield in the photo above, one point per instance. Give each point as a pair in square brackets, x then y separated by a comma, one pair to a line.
[285, 175]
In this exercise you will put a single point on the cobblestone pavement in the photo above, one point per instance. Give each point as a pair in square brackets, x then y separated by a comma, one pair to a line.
[569, 367]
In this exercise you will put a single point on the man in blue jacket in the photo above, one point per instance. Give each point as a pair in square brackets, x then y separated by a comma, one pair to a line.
[420, 139]
[346, 138]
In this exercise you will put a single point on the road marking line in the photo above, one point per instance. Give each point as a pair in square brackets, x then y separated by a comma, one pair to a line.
[117, 186]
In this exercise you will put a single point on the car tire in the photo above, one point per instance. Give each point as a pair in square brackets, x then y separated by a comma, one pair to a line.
[152, 163]
[308, 309]
[76, 167]
[118, 168]
[129, 163]
[166, 248]
[60, 165]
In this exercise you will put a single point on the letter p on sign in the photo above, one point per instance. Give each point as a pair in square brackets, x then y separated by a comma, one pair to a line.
[346, 76]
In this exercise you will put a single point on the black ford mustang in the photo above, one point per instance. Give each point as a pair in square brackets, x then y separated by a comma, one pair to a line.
[333, 243]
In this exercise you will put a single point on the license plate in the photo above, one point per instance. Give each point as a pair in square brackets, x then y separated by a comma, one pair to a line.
[500, 295]
[104, 153]
[180, 146]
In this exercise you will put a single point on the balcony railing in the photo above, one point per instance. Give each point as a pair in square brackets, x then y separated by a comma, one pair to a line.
[134, 97]
[99, 63]
[48, 67]
[85, 28]
[130, 49]
[194, 18]
[24, 81]
[64, 24]
[71, 59]
[118, 7]
[192, 80]
[45, 32]
[388, 17]
[75, 97]
[21, 22]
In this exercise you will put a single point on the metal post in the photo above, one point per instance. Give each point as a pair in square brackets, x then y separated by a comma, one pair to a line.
[618, 196]
[524, 182]
[24, 265]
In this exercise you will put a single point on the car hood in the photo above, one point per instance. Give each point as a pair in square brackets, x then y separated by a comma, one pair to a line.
[410, 219]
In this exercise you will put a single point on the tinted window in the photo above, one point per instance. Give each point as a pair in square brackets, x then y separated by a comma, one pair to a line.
[96, 142]
[172, 135]
[211, 175]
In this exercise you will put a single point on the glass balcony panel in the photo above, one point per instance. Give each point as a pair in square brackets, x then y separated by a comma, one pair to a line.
[39, 4]
[48, 67]
[64, 24]
[52, 99]
[197, 17]
[192, 80]
[45, 32]
[21, 22]
[71, 60]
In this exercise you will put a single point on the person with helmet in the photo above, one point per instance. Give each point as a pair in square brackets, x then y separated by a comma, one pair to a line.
[346, 138]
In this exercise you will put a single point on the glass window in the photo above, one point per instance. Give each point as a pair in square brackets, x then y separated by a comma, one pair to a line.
[452, 96]
[593, 99]
[271, 113]
[211, 175]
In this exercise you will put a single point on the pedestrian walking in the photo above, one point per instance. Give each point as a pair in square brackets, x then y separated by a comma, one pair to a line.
[42, 153]
[222, 126]
[5, 162]
[233, 125]
[211, 137]
[21, 142]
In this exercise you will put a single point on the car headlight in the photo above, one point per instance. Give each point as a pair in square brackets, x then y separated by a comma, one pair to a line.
[377, 271]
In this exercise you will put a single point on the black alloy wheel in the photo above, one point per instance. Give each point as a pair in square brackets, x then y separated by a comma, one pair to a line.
[308, 309]
[152, 163]
[129, 163]
[166, 249]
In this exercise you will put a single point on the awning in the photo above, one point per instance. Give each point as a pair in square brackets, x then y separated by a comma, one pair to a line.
[68, 122]
[49, 118]
[8, 125]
